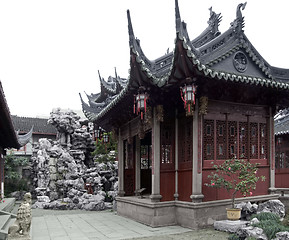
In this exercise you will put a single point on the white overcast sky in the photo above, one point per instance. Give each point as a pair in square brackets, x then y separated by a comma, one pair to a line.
[51, 50]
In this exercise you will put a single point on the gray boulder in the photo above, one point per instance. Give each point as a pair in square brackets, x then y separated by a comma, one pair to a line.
[273, 206]
[251, 231]
[282, 236]
[248, 210]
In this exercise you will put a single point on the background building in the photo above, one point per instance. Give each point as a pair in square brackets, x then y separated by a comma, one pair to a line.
[41, 129]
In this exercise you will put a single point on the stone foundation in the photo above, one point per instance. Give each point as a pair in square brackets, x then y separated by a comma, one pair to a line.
[186, 214]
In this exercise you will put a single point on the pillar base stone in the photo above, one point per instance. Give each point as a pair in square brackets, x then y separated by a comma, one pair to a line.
[196, 198]
[272, 190]
[176, 196]
[155, 197]
[121, 193]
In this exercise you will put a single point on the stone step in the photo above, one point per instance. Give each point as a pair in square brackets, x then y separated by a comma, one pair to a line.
[5, 222]
[230, 226]
[7, 205]
[8, 224]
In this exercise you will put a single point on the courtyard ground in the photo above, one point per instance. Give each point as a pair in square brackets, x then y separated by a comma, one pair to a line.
[85, 225]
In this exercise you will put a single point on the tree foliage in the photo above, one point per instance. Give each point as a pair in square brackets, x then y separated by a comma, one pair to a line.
[13, 180]
[12, 163]
[102, 149]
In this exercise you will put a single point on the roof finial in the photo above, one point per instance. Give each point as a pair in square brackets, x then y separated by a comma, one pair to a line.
[115, 72]
[239, 13]
[99, 75]
[214, 21]
[130, 30]
[178, 16]
[239, 23]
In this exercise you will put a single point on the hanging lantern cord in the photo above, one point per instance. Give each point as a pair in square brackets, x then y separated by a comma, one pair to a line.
[184, 99]
[134, 104]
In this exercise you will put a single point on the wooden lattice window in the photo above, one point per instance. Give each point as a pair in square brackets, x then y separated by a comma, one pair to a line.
[253, 150]
[263, 141]
[254, 140]
[232, 139]
[243, 150]
[208, 129]
[185, 139]
[221, 139]
[232, 150]
[167, 139]
[243, 139]
[146, 151]
[221, 150]
[282, 159]
[128, 155]
[209, 149]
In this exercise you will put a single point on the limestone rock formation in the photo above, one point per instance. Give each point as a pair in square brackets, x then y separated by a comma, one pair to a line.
[273, 206]
[65, 174]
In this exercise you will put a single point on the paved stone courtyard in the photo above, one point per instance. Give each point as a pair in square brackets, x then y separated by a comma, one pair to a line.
[84, 225]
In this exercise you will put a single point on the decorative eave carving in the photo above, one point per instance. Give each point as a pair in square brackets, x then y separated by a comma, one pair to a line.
[238, 24]
[211, 32]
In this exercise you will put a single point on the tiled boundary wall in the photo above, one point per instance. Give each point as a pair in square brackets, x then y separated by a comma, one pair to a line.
[185, 214]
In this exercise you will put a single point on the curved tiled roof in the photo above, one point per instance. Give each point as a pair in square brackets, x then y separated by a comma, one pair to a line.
[8, 136]
[40, 125]
[201, 54]
[281, 123]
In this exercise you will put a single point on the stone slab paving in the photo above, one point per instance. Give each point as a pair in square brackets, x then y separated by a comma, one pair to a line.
[82, 225]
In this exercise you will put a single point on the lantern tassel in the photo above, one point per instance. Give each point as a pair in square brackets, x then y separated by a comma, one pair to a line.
[134, 105]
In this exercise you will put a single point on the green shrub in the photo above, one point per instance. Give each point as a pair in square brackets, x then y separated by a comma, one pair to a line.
[105, 148]
[15, 185]
[263, 216]
[13, 180]
[271, 227]
[234, 236]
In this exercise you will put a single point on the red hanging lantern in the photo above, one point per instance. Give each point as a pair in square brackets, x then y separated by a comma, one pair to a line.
[188, 93]
[97, 133]
[140, 104]
[105, 138]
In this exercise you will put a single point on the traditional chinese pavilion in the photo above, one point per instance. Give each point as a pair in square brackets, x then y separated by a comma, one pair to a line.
[212, 98]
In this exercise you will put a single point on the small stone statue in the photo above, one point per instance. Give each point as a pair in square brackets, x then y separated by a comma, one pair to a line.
[21, 227]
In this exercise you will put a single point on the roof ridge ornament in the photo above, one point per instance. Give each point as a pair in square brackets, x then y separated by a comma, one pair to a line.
[24, 139]
[239, 23]
[130, 29]
[177, 15]
[214, 21]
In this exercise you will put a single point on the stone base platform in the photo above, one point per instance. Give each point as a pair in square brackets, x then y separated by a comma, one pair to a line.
[186, 214]
[230, 226]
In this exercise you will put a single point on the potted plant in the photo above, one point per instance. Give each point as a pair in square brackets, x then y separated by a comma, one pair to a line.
[235, 175]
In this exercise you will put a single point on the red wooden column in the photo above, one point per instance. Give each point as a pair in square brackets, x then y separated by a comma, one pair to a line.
[271, 154]
[197, 195]
[2, 172]
[156, 162]
[137, 164]
[120, 166]
[176, 195]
